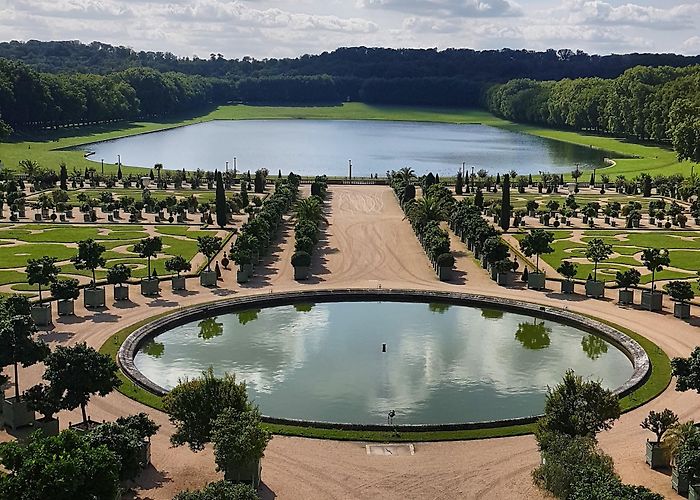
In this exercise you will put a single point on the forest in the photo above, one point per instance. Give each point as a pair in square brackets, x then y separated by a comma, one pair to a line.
[660, 105]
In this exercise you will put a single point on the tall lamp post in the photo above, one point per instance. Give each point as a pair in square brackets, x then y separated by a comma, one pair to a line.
[350, 169]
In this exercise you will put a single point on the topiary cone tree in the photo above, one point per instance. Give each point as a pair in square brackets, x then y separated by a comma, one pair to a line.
[220, 201]
[597, 251]
[537, 242]
[149, 247]
[505, 203]
[42, 272]
[89, 257]
[654, 259]
[78, 372]
[17, 347]
[209, 246]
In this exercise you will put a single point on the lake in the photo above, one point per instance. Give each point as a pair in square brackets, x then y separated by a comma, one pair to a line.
[314, 147]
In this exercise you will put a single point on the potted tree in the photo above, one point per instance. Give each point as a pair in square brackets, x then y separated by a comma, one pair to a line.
[90, 257]
[682, 293]
[149, 247]
[209, 246]
[42, 272]
[17, 347]
[687, 467]
[654, 259]
[301, 261]
[567, 269]
[596, 252]
[42, 399]
[117, 275]
[537, 242]
[76, 373]
[65, 291]
[625, 280]
[239, 444]
[445, 262]
[244, 260]
[504, 271]
[144, 428]
[178, 264]
[658, 455]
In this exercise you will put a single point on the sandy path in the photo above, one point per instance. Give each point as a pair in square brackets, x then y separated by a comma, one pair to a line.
[368, 243]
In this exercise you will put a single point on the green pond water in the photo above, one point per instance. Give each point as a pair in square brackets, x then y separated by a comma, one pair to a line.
[442, 363]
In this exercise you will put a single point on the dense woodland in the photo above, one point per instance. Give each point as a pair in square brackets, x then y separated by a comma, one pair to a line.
[645, 104]
[654, 97]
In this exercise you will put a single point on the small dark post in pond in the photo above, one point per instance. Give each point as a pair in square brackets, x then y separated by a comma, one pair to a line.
[383, 347]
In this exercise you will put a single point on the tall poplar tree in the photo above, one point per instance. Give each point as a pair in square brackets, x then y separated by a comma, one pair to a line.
[505, 203]
[221, 208]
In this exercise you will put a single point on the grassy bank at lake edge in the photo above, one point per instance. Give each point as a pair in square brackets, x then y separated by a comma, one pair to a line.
[48, 148]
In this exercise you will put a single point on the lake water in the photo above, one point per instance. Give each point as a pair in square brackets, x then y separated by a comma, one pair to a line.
[443, 363]
[314, 147]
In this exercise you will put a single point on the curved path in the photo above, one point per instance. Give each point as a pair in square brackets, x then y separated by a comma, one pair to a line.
[368, 243]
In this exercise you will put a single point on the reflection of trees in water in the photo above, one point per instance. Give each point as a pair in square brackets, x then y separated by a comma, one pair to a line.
[533, 335]
[247, 316]
[304, 308]
[209, 328]
[593, 346]
[438, 307]
[154, 349]
[491, 314]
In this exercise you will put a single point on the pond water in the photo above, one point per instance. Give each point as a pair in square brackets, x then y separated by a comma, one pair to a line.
[315, 147]
[442, 363]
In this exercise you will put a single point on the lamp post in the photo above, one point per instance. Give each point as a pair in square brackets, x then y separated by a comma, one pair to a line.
[350, 169]
[234, 167]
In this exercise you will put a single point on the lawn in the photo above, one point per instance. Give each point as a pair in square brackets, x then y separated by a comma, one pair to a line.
[684, 249]
[51, 148]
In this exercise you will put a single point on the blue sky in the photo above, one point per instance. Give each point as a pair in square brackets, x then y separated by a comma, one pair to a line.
[263, 28]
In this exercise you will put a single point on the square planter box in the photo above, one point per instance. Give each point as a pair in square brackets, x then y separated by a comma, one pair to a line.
[145, 453]
[66, 308]
[121, 292]
[242, 276]
[679, 482]
[301, 273]
[504, 279]
[244, 473]
[535, 281]
[207, 278]
[567, 286]
[626, 297]
[652, 301]
[595, 289]
[178, 282]
[94, 297]
[681, 310]
[48, 426]
[694, 492]
[658, 455]
[15, 413]
[37, 217]
[444, 272]
[150, 286]
[41, 314]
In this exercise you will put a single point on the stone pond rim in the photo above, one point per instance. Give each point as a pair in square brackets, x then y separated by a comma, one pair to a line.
[631, 348]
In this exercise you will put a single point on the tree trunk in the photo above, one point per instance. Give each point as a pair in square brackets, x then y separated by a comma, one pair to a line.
[82, 409]
[16, 381]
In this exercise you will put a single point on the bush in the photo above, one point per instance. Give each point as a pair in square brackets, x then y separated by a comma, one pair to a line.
[446, 260]
[680, 291]
[220, 490]
[301, 259]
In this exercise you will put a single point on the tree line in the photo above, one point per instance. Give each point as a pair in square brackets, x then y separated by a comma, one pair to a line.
[644, 103]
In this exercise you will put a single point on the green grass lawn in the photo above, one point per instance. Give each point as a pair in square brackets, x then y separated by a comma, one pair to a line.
[49, 148]
[681, 248]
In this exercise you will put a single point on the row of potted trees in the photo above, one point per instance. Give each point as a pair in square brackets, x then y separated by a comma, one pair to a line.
[255, 236]
[309, 215]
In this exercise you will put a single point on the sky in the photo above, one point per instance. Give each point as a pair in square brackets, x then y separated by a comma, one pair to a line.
[289, 28]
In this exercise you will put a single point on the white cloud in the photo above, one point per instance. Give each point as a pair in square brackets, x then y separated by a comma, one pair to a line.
[630, 14]
[692, 44]
[459, 8]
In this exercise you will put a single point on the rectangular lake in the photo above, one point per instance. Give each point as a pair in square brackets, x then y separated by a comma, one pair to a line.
[314, 147]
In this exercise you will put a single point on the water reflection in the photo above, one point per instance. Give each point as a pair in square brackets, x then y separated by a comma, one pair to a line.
[594, 346]
[438, 307]
[491, 314]
[533, 335]
[153, 348]
[209, 328]
[247, 316]
[303, 307]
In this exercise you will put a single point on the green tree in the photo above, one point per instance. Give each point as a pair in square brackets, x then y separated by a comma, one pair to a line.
[149, 247]
[239, 438]
[89, 257]
[654, 259]
[63, 467]
[597, 251]
[310, 209]
[628, 278]
[17, 347]
[537, 242]
[194, 404]
[220, 490]
[567, 269]
[42, 272]
[220, 201]
[78, 372]
[687, 371]
[64, 177]
[659, 422]
[681, 291]
[178, 264]
[209, 246]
